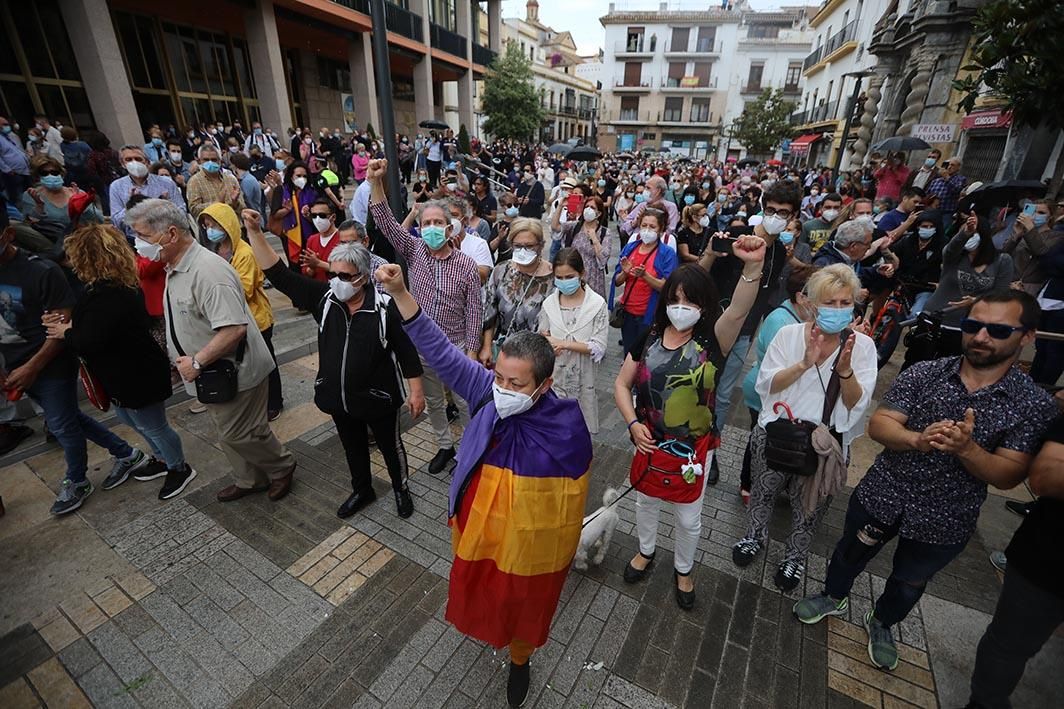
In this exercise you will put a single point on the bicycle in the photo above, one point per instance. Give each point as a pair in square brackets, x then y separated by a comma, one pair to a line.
[889, 319]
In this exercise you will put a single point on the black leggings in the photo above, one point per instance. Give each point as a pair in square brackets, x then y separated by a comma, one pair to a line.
[276, 397]
[353, 436]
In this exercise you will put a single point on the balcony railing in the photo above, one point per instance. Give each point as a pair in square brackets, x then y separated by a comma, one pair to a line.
[450, 42]
[672, 116]
[753, 88]
[640, 46]
[797, 119]
[792, 89]
[701, 116]
[695, 46]
[813, 58]
[824, 112]
[396, 18]
[630, 115]
[623, 83]
[671, 82]
[482, 55]
[846, 34]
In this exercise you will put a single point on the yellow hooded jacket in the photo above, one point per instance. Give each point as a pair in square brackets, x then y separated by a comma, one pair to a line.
[243, 262]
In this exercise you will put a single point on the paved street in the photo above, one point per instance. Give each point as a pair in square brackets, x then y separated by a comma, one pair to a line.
[133, 602]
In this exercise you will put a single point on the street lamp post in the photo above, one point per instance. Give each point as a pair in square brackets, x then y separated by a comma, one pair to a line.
[858, 76]
[383, 74]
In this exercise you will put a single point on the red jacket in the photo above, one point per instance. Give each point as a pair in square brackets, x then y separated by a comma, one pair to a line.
[153, 283]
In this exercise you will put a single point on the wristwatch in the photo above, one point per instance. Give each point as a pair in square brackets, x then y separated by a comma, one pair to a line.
[196, 365]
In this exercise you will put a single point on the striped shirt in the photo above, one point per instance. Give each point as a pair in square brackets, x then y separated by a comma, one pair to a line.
[448, 289]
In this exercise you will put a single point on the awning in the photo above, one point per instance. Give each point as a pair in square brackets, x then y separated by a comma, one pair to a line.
[800, 145]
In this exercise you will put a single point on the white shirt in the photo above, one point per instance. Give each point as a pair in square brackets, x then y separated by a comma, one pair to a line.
[805, 396]
[477, 249]
[434, 151]
[360, 202]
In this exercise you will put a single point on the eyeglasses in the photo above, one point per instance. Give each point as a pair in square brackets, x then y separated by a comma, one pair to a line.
[785, 213]
[345, 277]
[998, 331]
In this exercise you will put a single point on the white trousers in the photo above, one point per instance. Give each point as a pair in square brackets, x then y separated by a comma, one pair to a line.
[436, 403]
[686, 531]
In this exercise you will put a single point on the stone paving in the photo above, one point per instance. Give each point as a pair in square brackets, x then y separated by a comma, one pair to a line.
[192, 603]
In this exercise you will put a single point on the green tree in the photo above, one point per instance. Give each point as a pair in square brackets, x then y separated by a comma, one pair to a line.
[510, 99]
[1016, 45]
[764, 123]
[463, 140]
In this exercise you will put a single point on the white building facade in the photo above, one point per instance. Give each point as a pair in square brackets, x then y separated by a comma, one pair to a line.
[676, 79]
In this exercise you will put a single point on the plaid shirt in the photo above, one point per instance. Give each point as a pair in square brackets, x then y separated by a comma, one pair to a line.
[948, 191]
[448, 289]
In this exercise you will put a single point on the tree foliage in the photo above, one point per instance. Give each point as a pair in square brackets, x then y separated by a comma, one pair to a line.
[510, 99]
[1015, 49]
[764, 123]
[463, 140]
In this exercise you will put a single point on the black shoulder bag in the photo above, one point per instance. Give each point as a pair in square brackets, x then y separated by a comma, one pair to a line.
[617, 314]
[789, 441]
[217, 381]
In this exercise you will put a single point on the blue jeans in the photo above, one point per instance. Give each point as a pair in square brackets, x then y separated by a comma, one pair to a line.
[150, 422]
[631, 329]
[920, 302]
[915, 563]
[71, 428]
[729, 378]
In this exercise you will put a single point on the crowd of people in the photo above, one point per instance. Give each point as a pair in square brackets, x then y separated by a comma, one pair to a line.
[489, 305]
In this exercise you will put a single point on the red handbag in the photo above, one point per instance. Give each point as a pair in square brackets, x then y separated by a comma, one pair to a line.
[659, 474]
[95, 392]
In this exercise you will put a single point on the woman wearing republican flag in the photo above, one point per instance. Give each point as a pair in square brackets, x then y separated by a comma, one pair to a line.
[517, 496]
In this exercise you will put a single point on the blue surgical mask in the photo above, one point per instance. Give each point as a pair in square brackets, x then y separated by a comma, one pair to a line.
[156, 141]
[705, 185]
[930, 162]
[211, 166]
[511, 212]
[1040, 220]
[786, 237]
[215, 235]
[5, 130]
[567, 286]
[434, 236]
[640, 197]
[52, 182]
[257, 131]
[688, 199]
[279, 163]
[601, 183]
[926, 232]
[722, 198]
[833, 320]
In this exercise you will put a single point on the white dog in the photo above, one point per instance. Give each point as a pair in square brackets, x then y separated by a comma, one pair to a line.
[597, 532]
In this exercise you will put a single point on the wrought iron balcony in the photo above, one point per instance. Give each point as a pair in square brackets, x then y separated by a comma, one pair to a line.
[450, 42]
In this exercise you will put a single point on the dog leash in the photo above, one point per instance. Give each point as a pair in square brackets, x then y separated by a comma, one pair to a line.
[619, 498]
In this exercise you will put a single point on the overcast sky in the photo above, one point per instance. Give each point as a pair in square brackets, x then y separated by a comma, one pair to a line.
[581, 17]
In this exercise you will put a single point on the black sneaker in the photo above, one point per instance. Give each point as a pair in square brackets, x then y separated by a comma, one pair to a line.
[1021, 508]
[744, 552]
[11, 435]
[440, 460]
[403, 504]
[789, 575]
[176, 481]
[452, 413]
[517, 685]
[154, 468]
[123, 467]
[71, 496]
[273, 414]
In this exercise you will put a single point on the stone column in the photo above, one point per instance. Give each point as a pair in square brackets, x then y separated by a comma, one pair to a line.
[914, 101]
[264, 48]
[424, 105]
[363, 80]
[464, 17]
[873, 94]
[495, 25]
[99, 58]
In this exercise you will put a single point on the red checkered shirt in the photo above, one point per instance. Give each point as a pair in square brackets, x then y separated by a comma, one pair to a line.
[448, 289]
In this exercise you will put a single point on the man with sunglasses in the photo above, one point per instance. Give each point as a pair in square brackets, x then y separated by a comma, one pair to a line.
[949, 428]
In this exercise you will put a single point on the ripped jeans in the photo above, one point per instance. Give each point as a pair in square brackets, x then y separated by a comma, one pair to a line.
[915, 563]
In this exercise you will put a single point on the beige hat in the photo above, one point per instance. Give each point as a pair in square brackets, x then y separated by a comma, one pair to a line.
[570, 182]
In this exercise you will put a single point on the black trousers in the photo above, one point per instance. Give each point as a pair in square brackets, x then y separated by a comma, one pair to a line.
[434, 172]
[1025, 618]
[276, 398]
[353, 436]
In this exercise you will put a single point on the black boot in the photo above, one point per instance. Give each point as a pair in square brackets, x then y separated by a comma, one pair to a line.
[357, 501]
[403, 504]
[440, 460]
[517, 685]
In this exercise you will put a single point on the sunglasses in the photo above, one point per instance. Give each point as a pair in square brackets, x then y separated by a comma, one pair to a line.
[995, 330]
[324, 215]
[345, 277]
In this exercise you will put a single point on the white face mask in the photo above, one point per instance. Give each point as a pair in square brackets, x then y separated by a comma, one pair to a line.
[524, 257]
[510, 403]
[299, 182]
[322, 224]
[136, 169]
[774, 224]
[830, 214]
[972, 244]
[649, 236]
[683, 317]
[590, 214]
[175, 157]
[456, 228]
[703, 221]
[147, 249]
[342, 290]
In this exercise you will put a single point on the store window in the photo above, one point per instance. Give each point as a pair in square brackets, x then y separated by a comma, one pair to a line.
[38, 73]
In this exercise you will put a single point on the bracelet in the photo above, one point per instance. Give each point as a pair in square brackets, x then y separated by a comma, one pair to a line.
[751, 280]
[848, 376]
[634, 422]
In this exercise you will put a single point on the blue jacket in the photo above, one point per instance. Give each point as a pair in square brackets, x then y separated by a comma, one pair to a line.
[665, 262]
